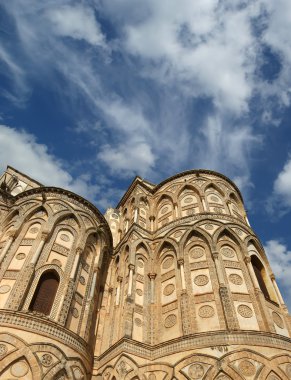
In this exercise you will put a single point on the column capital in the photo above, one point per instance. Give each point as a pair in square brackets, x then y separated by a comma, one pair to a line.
[44, 235]
[215, 254]
[152, 217]
[131, 267]
[152, 276]
[272, 277]
[119, 278]
[11, 233]
[247, 259]
[79, 250]
[110, 289]
[180, 261]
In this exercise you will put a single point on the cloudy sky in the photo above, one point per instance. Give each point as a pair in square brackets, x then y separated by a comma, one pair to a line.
[95, 92]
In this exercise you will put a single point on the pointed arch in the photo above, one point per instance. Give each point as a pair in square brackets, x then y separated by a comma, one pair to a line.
[45, 293]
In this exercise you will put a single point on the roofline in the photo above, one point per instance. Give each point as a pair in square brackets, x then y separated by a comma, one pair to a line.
[24, 175]
[178, 175]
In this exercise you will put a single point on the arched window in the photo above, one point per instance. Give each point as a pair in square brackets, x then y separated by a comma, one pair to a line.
[260, 274]
[45, 293]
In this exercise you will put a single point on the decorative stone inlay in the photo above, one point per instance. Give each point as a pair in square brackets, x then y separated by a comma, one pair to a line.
[75, 312]
[235, 279]
[170, 320]
[219, 210]
[288, 370]
[57, 262]
[4, 289]
[196, 252]
[169, 289]
[152, 376]
[201, 280]
[82, 280]
[138, 322]
[245, 311]
[247, 368]
[34, 230]
[3, 349]
[278, 320]
[190, 211]
[164, 210]
[140, 263]
[64, 237]
[19, 369]
[78, 374]
[139, 292]
[188, 200]
[227, 252]
[46, 360]
[196, 371]
[178, 234]
[167, 263]
[206, 311]
[213, 198]
[20, 256]
[238, 231]
[209, 227]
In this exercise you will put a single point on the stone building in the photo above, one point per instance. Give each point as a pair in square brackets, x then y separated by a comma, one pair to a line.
[172, 284]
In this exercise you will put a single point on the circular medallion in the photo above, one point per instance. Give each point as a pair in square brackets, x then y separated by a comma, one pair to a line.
[19, 369]
[4, 289]
[3, 349]
[34, 230]
[57, 262]
[170, 320]
[278, 320]
[188, 200]
[64, 237]
[201, 280]
[167, 263]
[213, 198]
[206, 311]
[152, 376]
[20, 256]
[46, 360]
[82, 280]
[75, 312]
[139, 292]
[196, 252]
[227, 252]
[196, 371]
[288, 370]
[78, 374]
[235, 279]
[209, 227]
[169, 289]
[138, 321]
[140, 263]
[245, 311]
[247, 368]
[164, 210]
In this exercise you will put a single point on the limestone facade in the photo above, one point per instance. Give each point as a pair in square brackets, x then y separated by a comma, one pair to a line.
[172, 284]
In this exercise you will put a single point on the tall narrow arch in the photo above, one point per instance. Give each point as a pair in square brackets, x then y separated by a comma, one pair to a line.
[260, 274]
[45, 293]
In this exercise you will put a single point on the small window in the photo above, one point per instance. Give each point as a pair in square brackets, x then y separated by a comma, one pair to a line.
[45, 293]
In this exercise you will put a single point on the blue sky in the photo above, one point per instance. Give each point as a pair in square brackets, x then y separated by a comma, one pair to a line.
[96, 92]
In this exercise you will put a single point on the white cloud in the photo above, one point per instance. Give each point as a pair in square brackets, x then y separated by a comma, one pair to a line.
[21, 150]
[280, 261]
[282, 185]
[77, 22]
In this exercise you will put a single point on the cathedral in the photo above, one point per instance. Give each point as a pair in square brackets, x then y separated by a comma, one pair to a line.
[172, 284]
